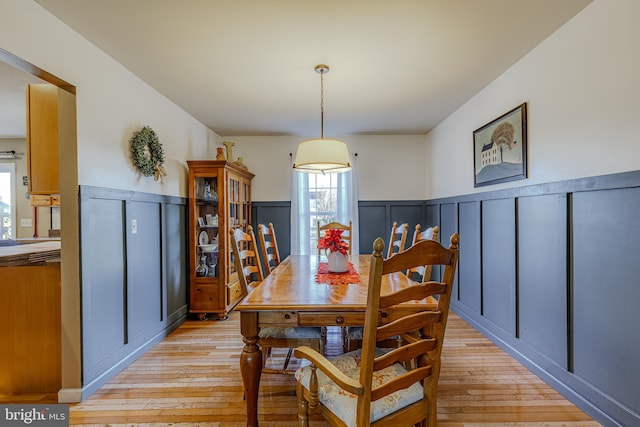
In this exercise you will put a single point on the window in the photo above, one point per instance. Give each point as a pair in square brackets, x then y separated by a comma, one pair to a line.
[325, 198]
[323, 203]
[7, 201]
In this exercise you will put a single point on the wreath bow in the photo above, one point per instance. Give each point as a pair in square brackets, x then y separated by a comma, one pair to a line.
[160, 173]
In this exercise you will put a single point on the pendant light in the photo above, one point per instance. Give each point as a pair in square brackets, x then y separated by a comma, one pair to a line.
[322, 155]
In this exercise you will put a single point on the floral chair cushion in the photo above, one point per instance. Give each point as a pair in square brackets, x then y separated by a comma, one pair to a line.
[275, 332]
[343, 404]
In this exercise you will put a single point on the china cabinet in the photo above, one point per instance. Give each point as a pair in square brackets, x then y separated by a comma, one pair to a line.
[219, 199]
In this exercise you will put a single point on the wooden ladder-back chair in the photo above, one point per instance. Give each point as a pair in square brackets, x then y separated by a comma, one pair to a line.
[423, 272]
[398, 238]
[268, 247]
[247, 265]
[385, 387]
[346, 235]
[352, 335]
[245, 258]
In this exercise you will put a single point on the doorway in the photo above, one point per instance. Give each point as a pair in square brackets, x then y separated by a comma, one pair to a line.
[68, 273]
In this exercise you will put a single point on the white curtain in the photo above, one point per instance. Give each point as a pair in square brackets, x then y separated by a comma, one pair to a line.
[347, 208]
[348, 202]
[299, 212]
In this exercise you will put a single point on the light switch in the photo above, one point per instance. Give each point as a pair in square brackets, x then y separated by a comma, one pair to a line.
[26, 222]
[134, 226]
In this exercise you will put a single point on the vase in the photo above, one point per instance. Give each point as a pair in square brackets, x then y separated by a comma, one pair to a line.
[338, 262]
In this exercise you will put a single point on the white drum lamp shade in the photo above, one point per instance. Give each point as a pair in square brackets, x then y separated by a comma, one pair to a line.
[322, 155]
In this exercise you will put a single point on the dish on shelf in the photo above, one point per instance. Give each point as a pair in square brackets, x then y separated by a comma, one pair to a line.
[209, 248]
[203, 238]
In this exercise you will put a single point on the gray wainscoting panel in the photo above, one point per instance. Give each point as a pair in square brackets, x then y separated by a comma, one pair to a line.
[175, 256]
[432, 218]
[377, 217]
[144, 268]
[411, 214]
[123, 277]
[279, 214]
[499, 263]
[606, 292]
[577, 284]
[469, 284]
[373, 224]
[542, 275]
[103, 282]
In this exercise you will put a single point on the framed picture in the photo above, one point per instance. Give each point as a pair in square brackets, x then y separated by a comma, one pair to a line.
[200, 221]
[500, 149]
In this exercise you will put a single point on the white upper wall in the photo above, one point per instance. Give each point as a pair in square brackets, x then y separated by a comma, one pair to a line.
[389, 167]
[582, 88]
[111, 103]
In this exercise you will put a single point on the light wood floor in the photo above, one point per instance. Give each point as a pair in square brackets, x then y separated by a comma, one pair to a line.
[192, 378]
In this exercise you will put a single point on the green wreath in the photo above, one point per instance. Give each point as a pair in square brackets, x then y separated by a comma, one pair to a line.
[147, 153]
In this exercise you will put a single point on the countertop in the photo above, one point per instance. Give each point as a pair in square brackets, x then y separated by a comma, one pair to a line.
[28, 254]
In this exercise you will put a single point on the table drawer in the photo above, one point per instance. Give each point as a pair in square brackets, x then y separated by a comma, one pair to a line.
[282, 318]
[310, 318]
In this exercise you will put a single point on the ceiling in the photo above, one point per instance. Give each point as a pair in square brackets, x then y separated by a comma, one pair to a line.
[246, 67]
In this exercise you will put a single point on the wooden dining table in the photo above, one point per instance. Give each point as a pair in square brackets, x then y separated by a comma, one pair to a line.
[291, 296]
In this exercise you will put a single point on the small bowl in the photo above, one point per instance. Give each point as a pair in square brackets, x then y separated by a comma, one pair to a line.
[208, 248]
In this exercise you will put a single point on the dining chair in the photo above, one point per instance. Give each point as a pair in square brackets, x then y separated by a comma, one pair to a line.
[385, 387]
[352, 335]
[336, 226]
[398, 238]
[268, 247]
[247, 265]
[423, 272]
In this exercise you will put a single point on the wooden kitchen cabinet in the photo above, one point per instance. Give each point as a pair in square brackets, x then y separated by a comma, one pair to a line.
[43, 133]
[219, 199]
[30, 354]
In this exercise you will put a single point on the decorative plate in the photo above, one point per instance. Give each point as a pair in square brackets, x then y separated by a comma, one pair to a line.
[203, 238]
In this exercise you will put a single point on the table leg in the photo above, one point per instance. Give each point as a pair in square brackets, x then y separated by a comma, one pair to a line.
[250, 364]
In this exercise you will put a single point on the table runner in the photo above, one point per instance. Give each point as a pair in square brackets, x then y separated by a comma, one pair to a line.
[325, 276]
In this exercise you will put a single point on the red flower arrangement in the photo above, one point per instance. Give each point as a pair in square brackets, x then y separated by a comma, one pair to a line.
[332, 240]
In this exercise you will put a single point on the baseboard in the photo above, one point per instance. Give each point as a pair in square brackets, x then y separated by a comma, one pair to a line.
[70, 395]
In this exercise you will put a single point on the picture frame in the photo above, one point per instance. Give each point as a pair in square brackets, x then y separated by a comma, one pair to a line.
[200, 221]
[500, 149]
[212, 220]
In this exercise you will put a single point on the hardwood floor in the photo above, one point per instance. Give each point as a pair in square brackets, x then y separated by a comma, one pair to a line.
[192, 378]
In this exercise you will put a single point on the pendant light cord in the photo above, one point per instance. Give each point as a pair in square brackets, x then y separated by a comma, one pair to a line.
[322, 103]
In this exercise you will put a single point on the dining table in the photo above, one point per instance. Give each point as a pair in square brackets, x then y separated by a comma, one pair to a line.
[300, 292]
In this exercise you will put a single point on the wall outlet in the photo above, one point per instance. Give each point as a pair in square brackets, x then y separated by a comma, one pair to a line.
[26, 222]
[134, 226]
